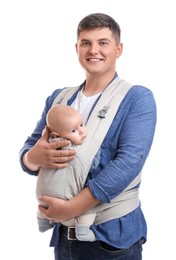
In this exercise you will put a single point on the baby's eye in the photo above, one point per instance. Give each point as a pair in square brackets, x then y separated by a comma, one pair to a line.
[73, 131]
[81, 125]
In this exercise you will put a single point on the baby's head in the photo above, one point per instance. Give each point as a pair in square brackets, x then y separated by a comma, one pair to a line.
[66, 122]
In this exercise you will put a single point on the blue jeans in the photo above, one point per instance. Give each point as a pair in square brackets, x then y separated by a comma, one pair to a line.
[80, 250]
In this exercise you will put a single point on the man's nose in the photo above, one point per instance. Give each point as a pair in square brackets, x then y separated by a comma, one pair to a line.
[94, 48]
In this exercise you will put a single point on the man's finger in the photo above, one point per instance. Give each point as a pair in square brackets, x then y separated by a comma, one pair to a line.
[45, 199]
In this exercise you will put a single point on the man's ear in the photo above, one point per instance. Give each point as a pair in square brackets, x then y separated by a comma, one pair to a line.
[76, 47]
[119, 50]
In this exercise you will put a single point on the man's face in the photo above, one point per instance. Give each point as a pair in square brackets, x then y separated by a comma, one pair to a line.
[97, 51]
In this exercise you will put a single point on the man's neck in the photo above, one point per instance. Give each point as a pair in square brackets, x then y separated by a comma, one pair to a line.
[95, 85]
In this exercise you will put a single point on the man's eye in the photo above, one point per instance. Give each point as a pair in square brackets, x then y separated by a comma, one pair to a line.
[85, 43]
[103, 43]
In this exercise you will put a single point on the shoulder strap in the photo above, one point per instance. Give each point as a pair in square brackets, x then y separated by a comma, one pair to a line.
[103, 114]
[64, 95]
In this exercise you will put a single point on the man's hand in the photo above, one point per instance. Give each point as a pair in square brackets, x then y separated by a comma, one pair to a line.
[47, 155]
[57, 209]
[60, 210]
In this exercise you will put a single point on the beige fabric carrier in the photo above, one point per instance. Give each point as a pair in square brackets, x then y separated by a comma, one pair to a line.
[97, 125]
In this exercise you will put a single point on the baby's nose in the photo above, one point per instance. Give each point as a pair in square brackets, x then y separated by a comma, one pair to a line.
[80, 132]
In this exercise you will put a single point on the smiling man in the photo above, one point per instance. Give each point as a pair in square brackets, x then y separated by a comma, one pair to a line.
[114, 181]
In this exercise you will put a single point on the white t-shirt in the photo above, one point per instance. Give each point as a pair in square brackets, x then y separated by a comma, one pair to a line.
[84, 104]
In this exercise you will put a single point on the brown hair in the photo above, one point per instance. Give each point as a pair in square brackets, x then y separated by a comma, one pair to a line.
[99, 20]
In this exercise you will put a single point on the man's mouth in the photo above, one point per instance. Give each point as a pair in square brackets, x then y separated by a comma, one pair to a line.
[94, 59]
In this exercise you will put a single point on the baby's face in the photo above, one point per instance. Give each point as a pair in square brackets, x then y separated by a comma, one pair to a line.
[75, 131]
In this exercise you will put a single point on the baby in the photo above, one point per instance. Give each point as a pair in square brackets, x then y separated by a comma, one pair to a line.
[64, 122]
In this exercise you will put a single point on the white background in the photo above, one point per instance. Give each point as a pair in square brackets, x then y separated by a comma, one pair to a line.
[37, 55]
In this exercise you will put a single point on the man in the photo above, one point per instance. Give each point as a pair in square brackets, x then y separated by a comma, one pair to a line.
[123, 152]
